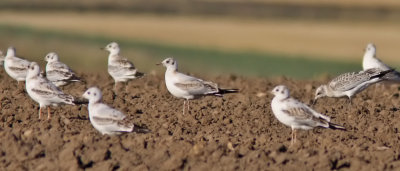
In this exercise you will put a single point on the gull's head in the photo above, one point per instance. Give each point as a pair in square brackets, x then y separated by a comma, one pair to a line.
[370, 49]
[93, 94]
[281, 92]
[320, 92]
[112, 47]
[170, 63]
[10, 52]
[51, 57]
[33, 70]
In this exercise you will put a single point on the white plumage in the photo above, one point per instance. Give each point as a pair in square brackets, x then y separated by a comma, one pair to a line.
[188, 87]
[57, 72]
[295, 114]
[15, 67]
[43, 91]
[371, 61]
[120, 69]
[104, 118]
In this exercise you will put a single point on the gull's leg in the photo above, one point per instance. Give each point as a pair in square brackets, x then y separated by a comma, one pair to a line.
[40, 112]
[188, 106]
[126, 86]
[184, 105]
[292, 141]
[350, 100]
[295, 135]
[48, 113]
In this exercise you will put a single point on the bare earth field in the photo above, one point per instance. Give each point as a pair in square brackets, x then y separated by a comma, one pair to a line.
[237, 132]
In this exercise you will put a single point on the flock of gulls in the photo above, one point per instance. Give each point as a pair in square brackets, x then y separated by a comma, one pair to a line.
[44, 88]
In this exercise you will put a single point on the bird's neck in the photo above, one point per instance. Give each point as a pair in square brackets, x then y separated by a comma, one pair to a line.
[10, 54]
[114, 53]
[172, 69]
[369, 55]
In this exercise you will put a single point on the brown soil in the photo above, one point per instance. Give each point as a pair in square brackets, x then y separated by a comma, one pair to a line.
[236, 132]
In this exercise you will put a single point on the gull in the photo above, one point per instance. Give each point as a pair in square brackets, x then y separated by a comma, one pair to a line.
[57, 72]
[15, 67]
[44, 92]
[188, 87]
[296, 114]
[120, 69]
[349, 84]
[371, 61]
[106, 119]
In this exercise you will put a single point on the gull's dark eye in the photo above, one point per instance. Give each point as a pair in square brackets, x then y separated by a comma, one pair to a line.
[276, 90]
[167, 62]
[88, 92]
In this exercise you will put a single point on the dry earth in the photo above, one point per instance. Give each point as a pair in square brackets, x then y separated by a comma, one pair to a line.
[236, 132]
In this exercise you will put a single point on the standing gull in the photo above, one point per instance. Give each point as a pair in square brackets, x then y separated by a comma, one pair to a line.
[106, 119]
[188, 87]
[43, 91]
[120, 69]
[371, 61]
[297, 115]
[349, 84]
[57, 72]
[15, 67]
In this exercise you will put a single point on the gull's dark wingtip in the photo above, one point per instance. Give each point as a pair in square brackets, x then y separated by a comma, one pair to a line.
[140, 129]
[226, 91]
[336, 126]
[80, 101]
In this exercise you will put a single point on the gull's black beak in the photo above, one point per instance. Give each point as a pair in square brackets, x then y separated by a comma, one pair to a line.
[102, 48]
[158, 63]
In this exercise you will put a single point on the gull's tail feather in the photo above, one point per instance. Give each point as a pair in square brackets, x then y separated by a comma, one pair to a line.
[392, 76]
[139, 74]
[80, 101]
[382, 74]
[140, 129]
[67, 99]
[225, 91]
[75, 78]
[336, 126]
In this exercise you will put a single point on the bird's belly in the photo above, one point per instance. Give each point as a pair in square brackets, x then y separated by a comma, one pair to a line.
[175, 91]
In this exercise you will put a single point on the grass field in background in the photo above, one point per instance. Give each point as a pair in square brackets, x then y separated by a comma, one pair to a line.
[82, 53]
[323, 39]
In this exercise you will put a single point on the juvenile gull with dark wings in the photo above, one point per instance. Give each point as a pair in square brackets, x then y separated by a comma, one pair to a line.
[349, 84]
[120, 69]
[57, 72]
